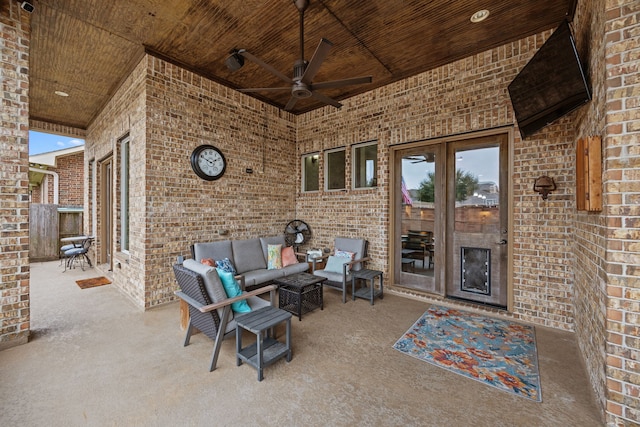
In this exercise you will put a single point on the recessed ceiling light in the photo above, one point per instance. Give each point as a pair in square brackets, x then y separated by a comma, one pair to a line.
[479, 16]
[61, 93]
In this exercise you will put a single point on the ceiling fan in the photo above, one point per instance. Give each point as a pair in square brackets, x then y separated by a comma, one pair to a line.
[301, 85]
[429, 158]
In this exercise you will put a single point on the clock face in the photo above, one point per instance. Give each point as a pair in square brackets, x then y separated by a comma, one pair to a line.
[208, 162]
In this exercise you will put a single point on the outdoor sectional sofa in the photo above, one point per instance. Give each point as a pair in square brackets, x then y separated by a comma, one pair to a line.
[249, 257]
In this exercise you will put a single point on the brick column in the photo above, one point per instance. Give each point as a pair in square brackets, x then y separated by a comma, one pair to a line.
[15, 32]
[622, 205]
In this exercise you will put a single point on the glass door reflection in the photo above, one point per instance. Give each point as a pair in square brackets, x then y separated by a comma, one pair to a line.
[416, 243]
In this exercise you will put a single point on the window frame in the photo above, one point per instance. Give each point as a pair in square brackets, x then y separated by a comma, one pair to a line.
[327, 164]
[125, 178]
[303, 168]
[354, 166]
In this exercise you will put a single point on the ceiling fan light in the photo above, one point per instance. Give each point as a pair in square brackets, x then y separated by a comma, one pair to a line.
[234, 62]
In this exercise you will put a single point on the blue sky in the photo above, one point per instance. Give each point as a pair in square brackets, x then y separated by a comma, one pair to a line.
[44, 142]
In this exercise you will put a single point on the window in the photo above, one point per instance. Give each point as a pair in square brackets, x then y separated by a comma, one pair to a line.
[334, 168]
[124, 195]
[310, 172]
[365, 165]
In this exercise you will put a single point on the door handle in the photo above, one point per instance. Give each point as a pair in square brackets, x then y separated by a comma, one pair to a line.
[502, 242]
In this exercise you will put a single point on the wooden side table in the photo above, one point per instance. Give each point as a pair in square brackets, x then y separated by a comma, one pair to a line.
[366, 292]
[266, 349]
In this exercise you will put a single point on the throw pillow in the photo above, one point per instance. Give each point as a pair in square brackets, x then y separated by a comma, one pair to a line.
[232, 289]
[208, 261]
[349, 255]
[226, 265]
[274, 261]
[335, 263]
[288, 256]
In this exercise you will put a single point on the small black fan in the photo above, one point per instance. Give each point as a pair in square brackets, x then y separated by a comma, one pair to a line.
[296, 233]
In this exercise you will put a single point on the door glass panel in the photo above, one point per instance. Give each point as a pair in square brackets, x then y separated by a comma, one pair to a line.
[419, 199]
[477, 270]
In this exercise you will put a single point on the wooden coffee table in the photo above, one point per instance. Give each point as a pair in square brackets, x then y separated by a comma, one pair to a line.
[300, 293]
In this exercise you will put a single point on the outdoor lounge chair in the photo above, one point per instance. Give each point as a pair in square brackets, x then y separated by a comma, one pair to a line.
[209, 307]
[336, 270]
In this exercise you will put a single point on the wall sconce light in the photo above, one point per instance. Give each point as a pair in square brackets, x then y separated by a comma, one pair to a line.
[235, 61]
[544, 185]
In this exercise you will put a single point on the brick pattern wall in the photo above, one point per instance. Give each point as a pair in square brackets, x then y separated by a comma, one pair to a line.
[622, 209]
[464, 96]
[56, 129]
[70, 170]
[184, 111]
[124, 114]
[15, 33]
[168, 112]
[589, 292]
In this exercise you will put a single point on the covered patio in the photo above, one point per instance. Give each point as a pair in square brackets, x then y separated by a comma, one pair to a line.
[96, 359]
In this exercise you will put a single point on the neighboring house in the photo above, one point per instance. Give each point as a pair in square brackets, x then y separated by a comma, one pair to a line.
[57, 177]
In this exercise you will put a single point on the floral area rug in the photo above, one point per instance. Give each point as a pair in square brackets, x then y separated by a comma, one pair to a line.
[496, 352]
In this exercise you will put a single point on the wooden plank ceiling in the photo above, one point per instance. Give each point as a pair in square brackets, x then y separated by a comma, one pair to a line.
[87, 47]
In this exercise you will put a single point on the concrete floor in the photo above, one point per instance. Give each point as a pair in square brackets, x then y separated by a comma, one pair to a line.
[96, 360]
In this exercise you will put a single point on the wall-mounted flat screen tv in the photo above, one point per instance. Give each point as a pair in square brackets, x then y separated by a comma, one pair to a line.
[551, 85]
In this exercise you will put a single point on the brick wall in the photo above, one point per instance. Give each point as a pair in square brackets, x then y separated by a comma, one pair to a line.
[622, 209]
[15, 32]
[464, 96]
[168, 112]
[70, 170]
[589, 292]
[124, 114]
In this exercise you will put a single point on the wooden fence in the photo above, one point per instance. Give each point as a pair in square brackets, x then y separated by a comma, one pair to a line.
[47, 225]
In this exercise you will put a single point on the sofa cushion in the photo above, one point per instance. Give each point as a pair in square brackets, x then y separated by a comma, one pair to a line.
[300, 267]
[212, 282]
[357, 246]
[272, 240]
[215, 250]
[248, 255]
[258, 277]
[332, 277]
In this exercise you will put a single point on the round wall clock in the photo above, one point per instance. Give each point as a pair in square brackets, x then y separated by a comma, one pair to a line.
[208, 162]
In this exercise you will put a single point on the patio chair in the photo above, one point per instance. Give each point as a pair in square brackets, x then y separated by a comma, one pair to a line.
[338, 268]
[209, 307]
[78, 253]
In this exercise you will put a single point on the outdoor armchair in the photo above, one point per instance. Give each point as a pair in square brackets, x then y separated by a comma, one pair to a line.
[209, 307]
[338, 268]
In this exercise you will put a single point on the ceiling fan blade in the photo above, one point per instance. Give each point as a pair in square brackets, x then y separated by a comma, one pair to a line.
[344, 82]
[316, 60]
[264, 89]
[290, 104]
[264, 65]
[326, 99]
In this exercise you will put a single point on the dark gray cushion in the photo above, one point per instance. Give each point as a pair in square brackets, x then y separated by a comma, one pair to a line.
[258, 277]
[212, 282]
[248, 255]
[356, 246]
[214, 250]
[295, 268]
